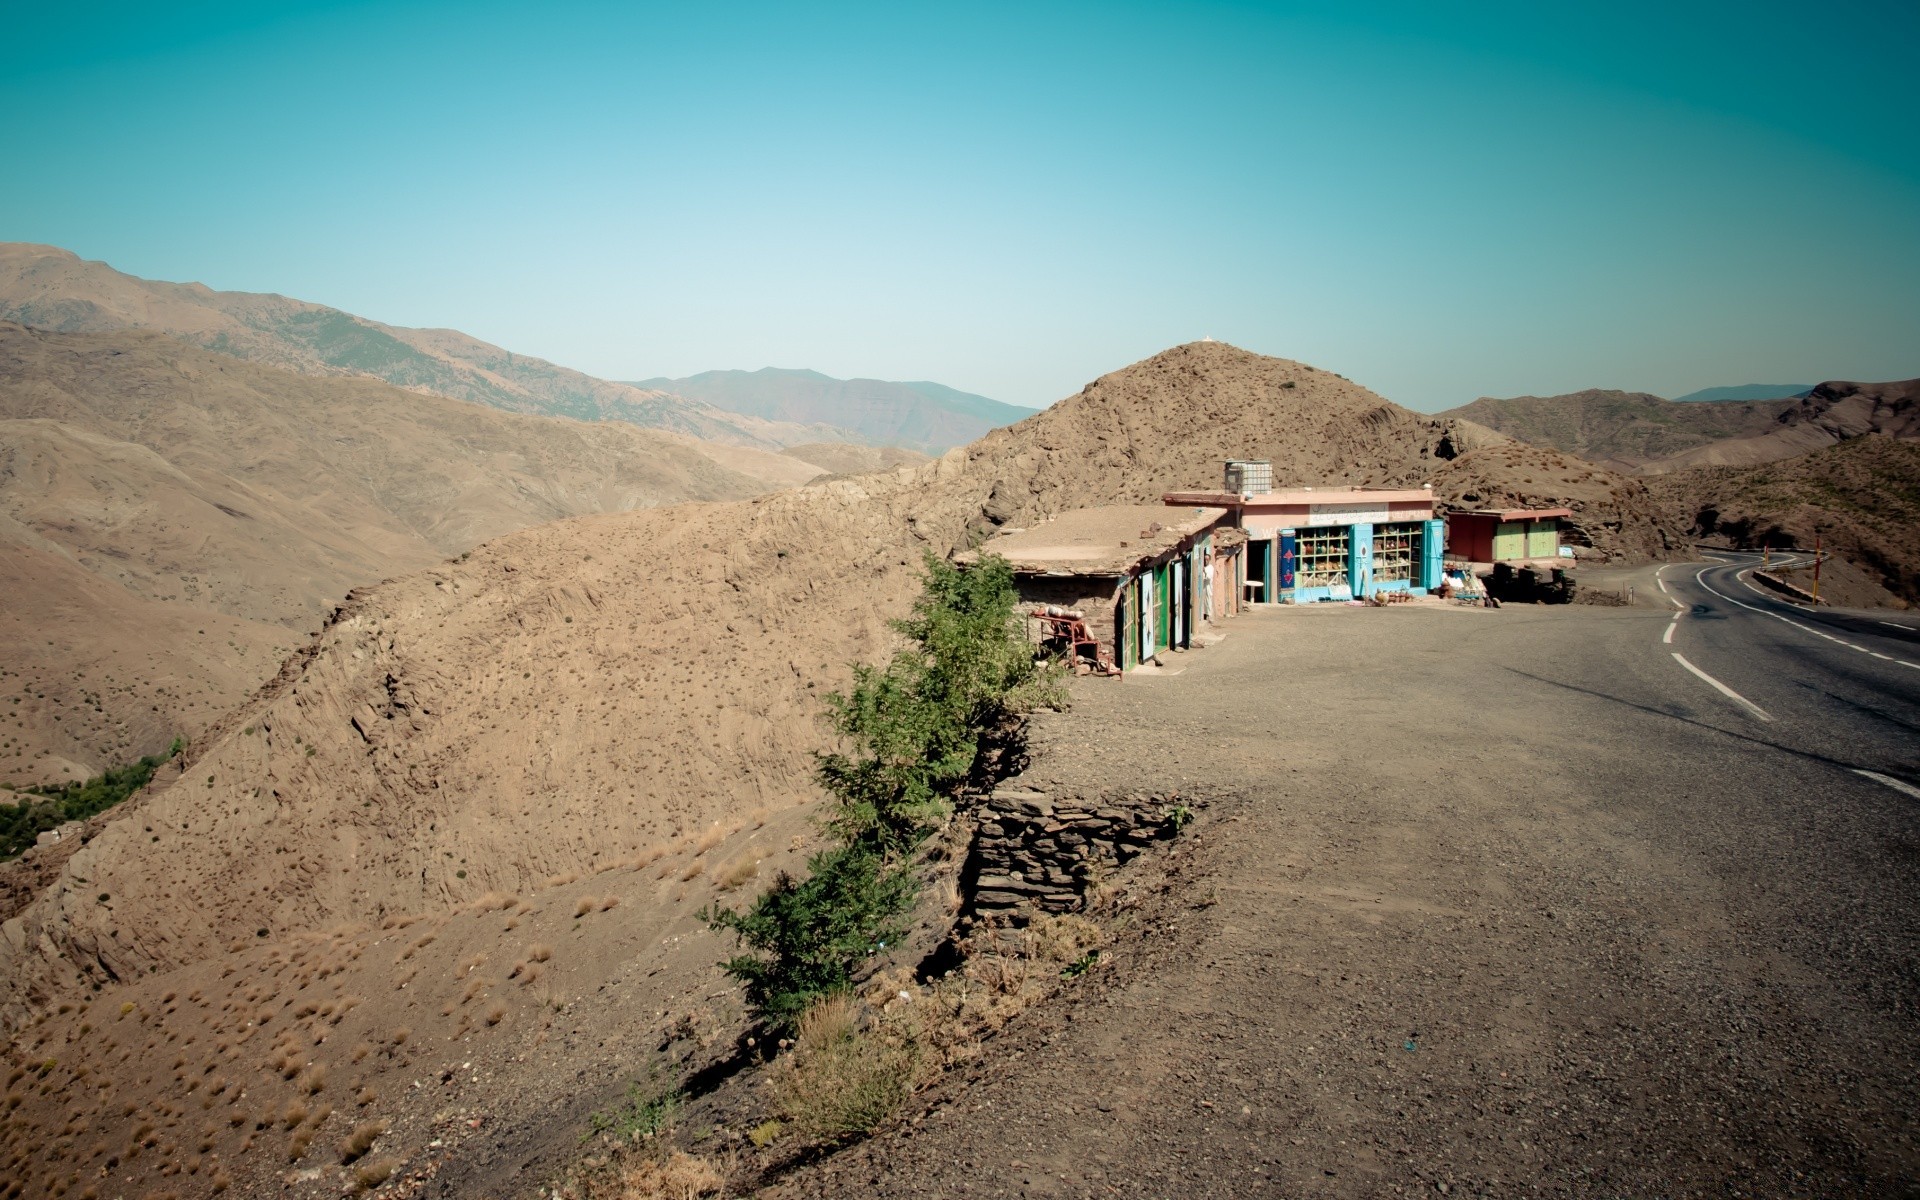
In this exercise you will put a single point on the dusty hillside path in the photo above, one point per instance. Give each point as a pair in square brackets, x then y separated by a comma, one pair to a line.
[1509, 910]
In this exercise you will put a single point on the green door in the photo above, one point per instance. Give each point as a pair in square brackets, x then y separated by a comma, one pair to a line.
[1163, 602]
[1509, 541]
[1543, 539]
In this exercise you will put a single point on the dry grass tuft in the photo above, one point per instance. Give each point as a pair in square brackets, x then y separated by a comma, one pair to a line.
[693, 870]
[373, 1172]
[584, 906]
[609, 902]
[496, 1013]
[841, 1080]
[314, 1080]
[647, 1173]
[711, 838]
[361, 1140]
[738, 871]
[561, 880]
[539, 952]
[495, 902]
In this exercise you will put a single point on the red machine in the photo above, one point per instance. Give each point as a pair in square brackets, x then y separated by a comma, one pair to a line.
[1065, 633]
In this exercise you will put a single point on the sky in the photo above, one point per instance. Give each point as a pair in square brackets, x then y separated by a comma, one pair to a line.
[1438, 201]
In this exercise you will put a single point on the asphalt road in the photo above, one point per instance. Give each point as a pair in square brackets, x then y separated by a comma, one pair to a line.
[1842, 686]
[1490, 903]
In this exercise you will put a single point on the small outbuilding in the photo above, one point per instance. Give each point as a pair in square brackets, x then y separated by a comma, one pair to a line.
[1144, 578]
[1510, 535]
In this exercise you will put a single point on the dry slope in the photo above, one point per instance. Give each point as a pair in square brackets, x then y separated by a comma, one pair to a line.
[1620, 430]
[181, 480]
[54, 289]
[570, 695]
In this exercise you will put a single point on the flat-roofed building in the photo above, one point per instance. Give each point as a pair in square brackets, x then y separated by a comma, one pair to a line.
[1144, 578]
[1331, 543]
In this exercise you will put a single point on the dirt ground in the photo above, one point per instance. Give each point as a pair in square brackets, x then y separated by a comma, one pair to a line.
[1485, 905]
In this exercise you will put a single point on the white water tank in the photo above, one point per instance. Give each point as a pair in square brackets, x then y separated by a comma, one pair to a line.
[1249, 476]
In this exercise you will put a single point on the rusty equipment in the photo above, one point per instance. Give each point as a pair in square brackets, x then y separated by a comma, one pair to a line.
[1064, 632]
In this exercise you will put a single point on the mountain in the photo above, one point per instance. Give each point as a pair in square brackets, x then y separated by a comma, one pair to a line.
[1860, 497]
[1623, 430]
[49, 288]
[927, 417]
[846, 458]
[1748, 391]
[1828, 414]
[185, 518]
[401, 854]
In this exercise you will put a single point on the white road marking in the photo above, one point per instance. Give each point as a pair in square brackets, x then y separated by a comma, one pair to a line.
[1666, 639]
[1897, 625]
[1724, 689]
[1700, 579]
[1660, 581]
[1898, 785]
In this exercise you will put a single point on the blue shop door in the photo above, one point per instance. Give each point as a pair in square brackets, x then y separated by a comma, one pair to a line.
[1287, 560]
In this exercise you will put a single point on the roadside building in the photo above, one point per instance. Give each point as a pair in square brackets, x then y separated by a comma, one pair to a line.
[1511, 535]
[1326, 543]
[1144, 578]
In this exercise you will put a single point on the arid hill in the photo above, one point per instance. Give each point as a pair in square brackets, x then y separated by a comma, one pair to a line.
[927, 417]
[177, 481]
[845, 458]
[498, 749]
[1620, 430]
[1829, 414]
[49, 288]
[1861, 497]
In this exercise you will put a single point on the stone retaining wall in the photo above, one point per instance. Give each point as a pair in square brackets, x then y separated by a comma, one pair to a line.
[1031, 848]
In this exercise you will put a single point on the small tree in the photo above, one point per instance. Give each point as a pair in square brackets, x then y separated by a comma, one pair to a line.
[810, 934]
[915, 729]
[917, 724]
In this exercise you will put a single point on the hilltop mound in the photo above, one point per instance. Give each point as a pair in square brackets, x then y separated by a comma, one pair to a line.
[1861, 497]
[53, 289]
[1620, 430]
[183, 481]
[548, 708]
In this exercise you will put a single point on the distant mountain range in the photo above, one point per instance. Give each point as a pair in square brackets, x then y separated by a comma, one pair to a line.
[1748, 391]
[928, 417]
[1648, 435]
[1622, 430]
[44, 287]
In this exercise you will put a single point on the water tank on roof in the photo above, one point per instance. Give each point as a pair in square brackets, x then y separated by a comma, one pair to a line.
[1249, 476]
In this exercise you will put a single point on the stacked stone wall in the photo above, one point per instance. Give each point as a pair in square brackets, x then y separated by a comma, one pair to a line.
[1032, 849]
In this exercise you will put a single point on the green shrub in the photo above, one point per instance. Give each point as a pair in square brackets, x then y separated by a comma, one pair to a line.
[917, 724]
[913, 734]
[810, 934]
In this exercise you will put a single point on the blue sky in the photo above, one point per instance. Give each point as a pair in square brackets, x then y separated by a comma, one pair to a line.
[1438, 201]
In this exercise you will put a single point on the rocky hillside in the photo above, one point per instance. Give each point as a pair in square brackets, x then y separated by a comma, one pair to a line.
[1621, 430]
[490, 746]
[928, 417]
[49, 288]
[1829, 414]
[178, 481]
[1615, 514]
[1860, 496]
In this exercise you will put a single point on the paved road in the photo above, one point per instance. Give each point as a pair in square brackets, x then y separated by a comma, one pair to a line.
[1490, 903]
[1842, 686]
